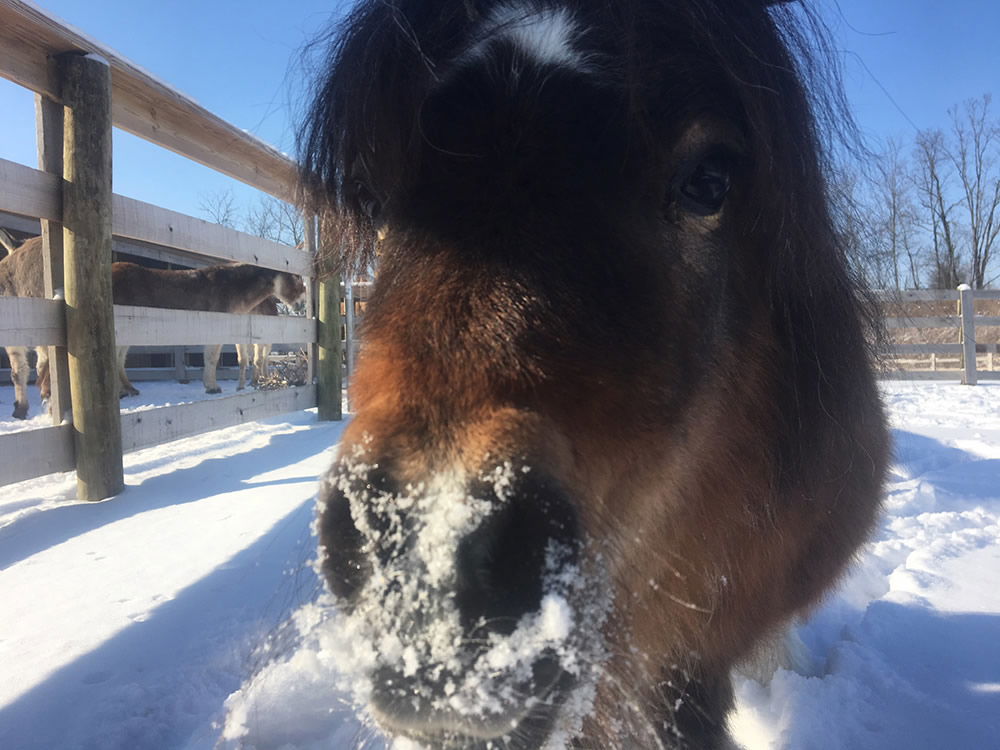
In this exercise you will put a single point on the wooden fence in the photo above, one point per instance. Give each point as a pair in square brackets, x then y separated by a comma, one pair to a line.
[965, 321]
[82, 89]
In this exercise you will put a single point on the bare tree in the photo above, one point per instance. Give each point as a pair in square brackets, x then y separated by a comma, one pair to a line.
[854, 230]
[974, 155]
[933, 181]
[895, 218]
[270, 218]
[277, 221]
[220, 207]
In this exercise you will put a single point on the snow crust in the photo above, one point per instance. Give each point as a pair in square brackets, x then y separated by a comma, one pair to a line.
[98, 58]
[185, 614]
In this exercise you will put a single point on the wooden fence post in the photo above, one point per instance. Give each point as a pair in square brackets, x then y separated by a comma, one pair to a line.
[309, 221]
[331, 356]
[90, 331]
[967, 309]
[49, 137]
[349, 344]
[180, 363]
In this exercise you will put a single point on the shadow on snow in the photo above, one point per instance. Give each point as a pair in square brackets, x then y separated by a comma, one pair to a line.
[37, 532]
[154, 683]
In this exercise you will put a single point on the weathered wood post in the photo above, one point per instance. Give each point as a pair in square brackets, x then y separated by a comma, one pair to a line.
[967, 309]
[180, 363]
[329, 368]
[331, 353]
[349, 351]
[309, 222]
[90, 325]
[49, 137]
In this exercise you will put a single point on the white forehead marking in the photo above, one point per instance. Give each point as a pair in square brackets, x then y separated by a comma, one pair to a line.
[544, 33]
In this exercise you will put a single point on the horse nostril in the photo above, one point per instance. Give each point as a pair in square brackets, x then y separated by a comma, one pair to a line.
[346, 564]
[501, 565]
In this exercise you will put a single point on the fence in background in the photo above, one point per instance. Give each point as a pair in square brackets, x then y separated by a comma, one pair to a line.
[82, 89]
[966, 351]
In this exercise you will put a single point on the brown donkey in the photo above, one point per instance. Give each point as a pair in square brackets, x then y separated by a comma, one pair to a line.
[238, 288]
[255, 355]
[615, 418]
[232, 288]
[21, 275]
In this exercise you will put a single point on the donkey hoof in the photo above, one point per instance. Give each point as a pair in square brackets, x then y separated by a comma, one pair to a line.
[213, 390]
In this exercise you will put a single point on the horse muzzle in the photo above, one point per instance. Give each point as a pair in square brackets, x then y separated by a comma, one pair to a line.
[468, 588]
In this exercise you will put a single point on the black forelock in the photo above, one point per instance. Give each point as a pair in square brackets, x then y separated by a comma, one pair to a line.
[358, 142]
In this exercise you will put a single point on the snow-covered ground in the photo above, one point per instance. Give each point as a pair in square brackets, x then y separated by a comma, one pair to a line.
[127, 624]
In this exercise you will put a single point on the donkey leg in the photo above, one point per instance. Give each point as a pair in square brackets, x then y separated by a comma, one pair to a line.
[212, 352]
[42, 376]
[260, 361]
[125, 387]
[18, 356]
[243, 357]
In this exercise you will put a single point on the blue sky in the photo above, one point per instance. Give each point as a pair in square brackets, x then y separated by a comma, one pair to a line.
[905, 63]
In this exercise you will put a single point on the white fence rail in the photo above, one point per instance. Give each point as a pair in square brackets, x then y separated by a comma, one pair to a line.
[154, 326]
[29, 321]
[965, 321]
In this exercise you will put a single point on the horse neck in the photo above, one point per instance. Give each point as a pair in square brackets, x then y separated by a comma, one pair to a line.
[246, 287]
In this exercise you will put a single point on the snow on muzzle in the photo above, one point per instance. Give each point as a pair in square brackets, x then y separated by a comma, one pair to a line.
[471, 594]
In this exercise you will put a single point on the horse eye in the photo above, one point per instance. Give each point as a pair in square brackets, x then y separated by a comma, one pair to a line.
[705, 188]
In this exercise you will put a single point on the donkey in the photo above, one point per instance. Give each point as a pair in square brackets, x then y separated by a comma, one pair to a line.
[556, 518]
[254, 355]
[227, 288]
[235, 288]
[7, 244]
[21, 275]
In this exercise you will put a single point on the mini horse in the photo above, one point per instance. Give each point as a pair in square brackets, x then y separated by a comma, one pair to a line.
[615, 419]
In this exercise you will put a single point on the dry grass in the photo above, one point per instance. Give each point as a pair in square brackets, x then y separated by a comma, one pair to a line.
[285, 370]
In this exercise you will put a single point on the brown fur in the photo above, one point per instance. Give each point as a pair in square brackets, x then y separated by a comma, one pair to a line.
[694, 378]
